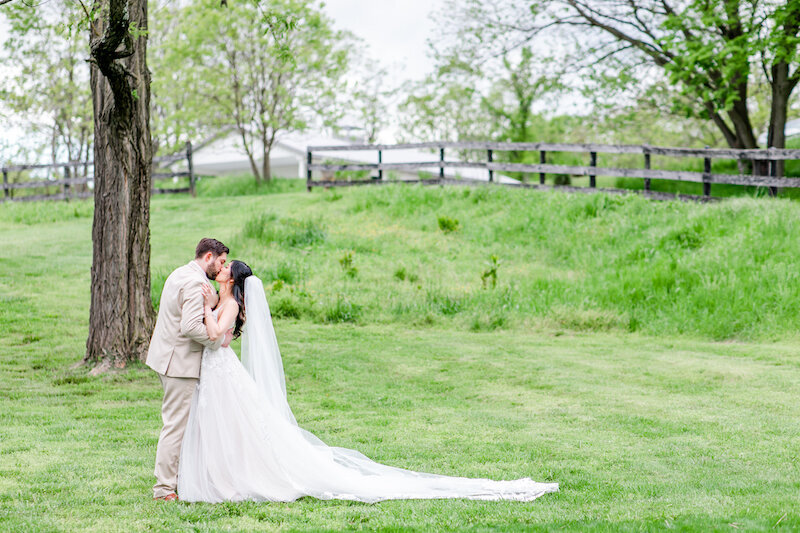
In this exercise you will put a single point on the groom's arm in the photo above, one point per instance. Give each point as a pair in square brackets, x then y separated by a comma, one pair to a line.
[192, 324]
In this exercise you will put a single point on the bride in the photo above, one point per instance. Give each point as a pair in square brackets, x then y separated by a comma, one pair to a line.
[242, 441]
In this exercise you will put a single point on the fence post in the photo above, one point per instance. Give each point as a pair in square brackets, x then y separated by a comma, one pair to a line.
[6, 192]
[542, 161]
[66, 184]
[773, 172]
[441, 165]
[646, 167]
[380, 170]
[489, 160]
[706, 176]
[190, 167]
[592, 163]
[308, 170]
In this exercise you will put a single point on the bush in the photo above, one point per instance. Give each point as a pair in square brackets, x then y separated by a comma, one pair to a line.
[285, 307]
[447, 224]
[491, 271]
[346, 262]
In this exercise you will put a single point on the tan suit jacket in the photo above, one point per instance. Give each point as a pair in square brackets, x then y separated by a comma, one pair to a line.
[176, 348]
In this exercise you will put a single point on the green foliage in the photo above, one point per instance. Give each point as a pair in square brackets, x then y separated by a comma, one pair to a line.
[263, 70]
[294, 304]
[402, 274]
[447, 224]
[697, 59]
[491, 271]
[46, 77]
[346, 262]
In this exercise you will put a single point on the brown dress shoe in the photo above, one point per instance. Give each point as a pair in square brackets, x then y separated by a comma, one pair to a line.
[168, 498]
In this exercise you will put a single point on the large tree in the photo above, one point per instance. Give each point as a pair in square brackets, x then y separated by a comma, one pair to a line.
[259, 68]
[121, 316]
[711, 52]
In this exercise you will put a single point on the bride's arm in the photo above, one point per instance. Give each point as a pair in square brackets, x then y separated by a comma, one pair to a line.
[217, 327]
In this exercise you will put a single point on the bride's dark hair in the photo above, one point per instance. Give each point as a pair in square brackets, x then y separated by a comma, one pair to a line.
[239, 272]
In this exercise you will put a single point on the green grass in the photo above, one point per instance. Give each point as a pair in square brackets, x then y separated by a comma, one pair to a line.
[595, 362]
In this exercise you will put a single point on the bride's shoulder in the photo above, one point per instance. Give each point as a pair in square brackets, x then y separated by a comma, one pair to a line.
[231, 304]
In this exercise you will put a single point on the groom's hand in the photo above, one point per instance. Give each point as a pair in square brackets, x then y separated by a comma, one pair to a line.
[228, 339]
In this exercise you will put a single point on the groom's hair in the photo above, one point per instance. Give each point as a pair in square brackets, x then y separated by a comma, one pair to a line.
[210, 245]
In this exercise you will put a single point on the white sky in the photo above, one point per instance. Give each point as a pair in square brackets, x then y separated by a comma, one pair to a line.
[394, 30]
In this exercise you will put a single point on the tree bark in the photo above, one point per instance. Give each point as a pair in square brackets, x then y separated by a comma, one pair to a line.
[266, 169]
[121, 316]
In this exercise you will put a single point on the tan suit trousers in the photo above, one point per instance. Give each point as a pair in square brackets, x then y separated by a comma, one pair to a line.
[178, 394]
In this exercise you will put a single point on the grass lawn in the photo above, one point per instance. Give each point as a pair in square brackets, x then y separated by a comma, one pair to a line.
[615, 356]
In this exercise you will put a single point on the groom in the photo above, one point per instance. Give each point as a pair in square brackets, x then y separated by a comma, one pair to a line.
[175, 352]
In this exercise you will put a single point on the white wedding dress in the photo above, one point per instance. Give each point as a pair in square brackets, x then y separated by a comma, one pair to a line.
[243, 443]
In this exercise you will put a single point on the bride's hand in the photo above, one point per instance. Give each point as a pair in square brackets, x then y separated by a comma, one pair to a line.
[208, 295]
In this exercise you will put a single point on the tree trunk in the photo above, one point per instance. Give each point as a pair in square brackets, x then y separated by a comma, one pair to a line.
[781, 89]
[250, 158]
[266, 169]
[121, 316]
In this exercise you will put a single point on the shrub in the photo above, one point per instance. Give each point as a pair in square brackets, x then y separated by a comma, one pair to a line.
[491, 271]
[402, 274]
[346, 262]
[285, 307]
[447, 224]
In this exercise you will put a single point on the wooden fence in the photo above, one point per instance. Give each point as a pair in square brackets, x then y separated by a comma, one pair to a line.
[761, 160]
[66, 184]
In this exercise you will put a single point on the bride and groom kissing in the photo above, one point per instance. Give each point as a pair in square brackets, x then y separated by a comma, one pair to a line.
[228, 432]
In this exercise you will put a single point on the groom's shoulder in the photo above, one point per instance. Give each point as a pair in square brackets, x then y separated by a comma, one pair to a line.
[185, 275]
[181, 275]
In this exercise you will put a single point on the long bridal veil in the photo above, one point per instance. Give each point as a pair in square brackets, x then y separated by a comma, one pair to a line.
[316, 469]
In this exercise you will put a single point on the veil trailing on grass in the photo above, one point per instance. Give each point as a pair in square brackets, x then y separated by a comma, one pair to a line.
[316, 469]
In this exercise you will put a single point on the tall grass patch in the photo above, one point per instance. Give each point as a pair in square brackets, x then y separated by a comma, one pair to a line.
[587, 263]
[269, 229]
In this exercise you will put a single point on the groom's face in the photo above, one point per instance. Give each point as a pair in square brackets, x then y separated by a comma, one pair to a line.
[215, 265]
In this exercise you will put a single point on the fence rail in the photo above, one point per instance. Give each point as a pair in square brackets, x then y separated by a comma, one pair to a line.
[66, 182]
[765, 164]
